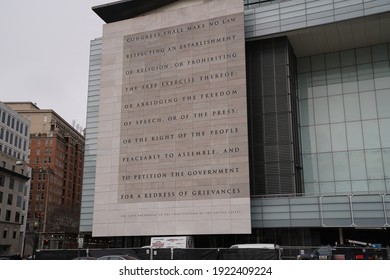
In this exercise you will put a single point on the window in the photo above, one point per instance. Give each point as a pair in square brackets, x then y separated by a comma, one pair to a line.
[10, 198]
[1, 197]
[19, 201]
[17, 217]
[2, 179]
[5, 233]
[21, 185]
[12, 181]
[8, 215]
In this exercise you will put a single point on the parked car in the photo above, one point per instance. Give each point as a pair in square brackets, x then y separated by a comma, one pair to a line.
[117, 257]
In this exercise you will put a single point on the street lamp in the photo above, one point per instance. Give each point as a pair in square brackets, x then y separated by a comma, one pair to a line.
[36, 224]
[47, 185]
[25, 171]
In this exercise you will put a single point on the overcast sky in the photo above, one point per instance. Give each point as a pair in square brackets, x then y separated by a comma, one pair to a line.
[44, 53]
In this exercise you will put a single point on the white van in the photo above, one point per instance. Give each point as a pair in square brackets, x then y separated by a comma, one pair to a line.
[254, 246]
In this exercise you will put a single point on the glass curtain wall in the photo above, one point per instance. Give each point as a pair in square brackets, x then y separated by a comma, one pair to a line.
[345, 121]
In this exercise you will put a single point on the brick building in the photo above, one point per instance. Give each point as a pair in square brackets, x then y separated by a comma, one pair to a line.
[56, 159]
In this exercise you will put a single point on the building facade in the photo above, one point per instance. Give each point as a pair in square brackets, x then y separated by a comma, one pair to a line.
[317, 90]
[14, 181]
[56, 160]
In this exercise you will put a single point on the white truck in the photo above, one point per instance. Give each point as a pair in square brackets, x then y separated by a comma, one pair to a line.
[183, 242]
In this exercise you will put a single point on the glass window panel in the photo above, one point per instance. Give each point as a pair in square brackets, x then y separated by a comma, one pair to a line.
[318, 78]
[332, 60]
[310, 169]
[320, 91]
[359, 186]
[303, 64]
[325, 167]
[366, 85]
[304, 86]
[383, 101]
[341, 166]
[333, 75]
[357, 164]
[343, 187]
[339, 137]
[317, 62]
[381, 69]
[382, 82]
[327, 188]
[352, 107]
[386, 162]
[365, 77]
[384, 127]
[312, 188]
[363, 55]
[321, 113]
[308, 137]
[336, 109]
[388, 48]
[377, 186]
[335, 89]
[350, 87]
[374, 164]
[365, 71]
[387, 185]
[323, 138]
[306, 110]
[379, 52]
[371, 134]
[368, 105]
[347, 58]
[349, 74]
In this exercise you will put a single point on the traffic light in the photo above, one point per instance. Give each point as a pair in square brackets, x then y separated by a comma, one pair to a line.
[40, 217]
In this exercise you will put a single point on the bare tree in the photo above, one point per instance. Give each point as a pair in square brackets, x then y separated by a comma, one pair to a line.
[64, 220]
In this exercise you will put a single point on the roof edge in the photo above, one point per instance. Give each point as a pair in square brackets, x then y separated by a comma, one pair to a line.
[127, 9]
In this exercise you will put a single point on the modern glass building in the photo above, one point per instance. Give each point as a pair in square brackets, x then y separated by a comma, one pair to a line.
[318, 99]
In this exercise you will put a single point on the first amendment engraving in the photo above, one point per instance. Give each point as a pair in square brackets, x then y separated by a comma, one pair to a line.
[182, 161]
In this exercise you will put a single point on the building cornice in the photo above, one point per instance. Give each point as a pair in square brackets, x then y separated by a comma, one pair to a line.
[126, 9]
